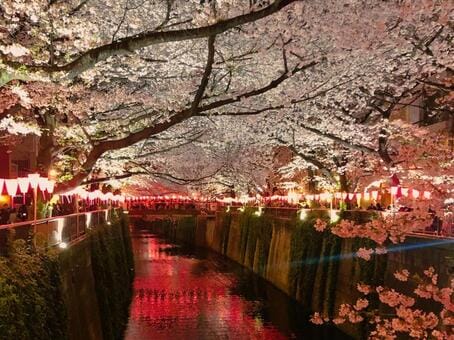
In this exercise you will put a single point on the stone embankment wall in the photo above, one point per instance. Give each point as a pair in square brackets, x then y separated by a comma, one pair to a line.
[318, 269]
[81, 293]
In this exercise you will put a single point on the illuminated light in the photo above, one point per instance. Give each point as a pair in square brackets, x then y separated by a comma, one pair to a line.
[242, 209]
[24, 183]
[366, 196]
[427, 195]
[11, 186]
[109, 196]
[88, 220]
[106, 212]
[4, 199]
[109, 223]
[303, 214]
[344, 195]
[338, 195]
[375, 194]
[34, 180]
[259, 212]
[394, 190]
[1, 185]
[310, 197]
[351, 196]
[126, 212]
[415, 193]
[404, 191]
[63, 245]
[60, 226]
[358, 195]
[52, 173]
[333, 216]
[316, 197]
[293, 197]
[228, 209]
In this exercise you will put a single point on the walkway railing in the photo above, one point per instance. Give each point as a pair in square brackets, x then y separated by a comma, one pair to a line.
[55, 231]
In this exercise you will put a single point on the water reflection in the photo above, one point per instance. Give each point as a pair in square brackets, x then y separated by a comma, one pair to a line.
[194, 294]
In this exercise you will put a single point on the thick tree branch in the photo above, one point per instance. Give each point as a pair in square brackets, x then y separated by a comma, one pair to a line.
[129, 44]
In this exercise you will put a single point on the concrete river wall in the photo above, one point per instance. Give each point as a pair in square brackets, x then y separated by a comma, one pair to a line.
[317, 269]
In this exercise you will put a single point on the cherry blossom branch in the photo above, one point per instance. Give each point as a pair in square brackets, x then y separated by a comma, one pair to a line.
[129, 44]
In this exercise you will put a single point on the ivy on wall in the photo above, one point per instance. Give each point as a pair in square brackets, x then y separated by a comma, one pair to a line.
[112, 261]
[31, 304]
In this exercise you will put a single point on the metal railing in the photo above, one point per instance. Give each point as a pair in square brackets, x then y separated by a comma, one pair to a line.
[54, 231]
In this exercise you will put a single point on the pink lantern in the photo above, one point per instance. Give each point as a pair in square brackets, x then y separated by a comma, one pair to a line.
[358, 195]
[404, 191]
[34, 180]
[316, 197]
[394, 190]
[375, 194]
[427, 195]
[351, 196]
[24, 183]
[338, 195]
[344, 195]
[415, 193]
[50, 186]
[366, 196]
[310, 197]
[42, 183]
[11, 186]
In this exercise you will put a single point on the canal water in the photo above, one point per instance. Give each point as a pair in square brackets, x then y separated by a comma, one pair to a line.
[196, 294]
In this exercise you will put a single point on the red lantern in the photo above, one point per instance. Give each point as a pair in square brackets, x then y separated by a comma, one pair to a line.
[427, 195]
[394, 190]
[375, 194]
[24, 183]
[404, 192]
[11, 186]
[34, 180]
[42, 183]
[415, 193]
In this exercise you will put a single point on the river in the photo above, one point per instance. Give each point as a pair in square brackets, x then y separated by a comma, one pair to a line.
[185, 293]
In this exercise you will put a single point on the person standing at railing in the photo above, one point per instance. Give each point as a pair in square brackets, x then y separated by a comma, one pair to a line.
[22, 213]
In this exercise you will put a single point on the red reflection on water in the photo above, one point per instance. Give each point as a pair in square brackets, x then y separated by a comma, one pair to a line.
[177, 297]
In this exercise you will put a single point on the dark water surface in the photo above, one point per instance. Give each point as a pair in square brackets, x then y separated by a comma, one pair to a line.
[196, 294]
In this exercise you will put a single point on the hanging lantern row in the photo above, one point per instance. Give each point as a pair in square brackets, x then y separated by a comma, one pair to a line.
[93, 195]
[395, 192]
[23, 184]
[169, 198]
[295, 198]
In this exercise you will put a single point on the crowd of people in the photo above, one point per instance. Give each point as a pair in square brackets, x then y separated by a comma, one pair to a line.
[12, 214]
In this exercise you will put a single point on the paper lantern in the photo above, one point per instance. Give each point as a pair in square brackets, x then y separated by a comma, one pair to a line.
[394, 190]
[427, 195]
[316, 197]
[404, 191]
[310, 197]
[338, 195]
[415, 193]
[344, 195]
[34, 180]
[11, 186]
[366, 196]
[50, 186]
[42, 183]
[24, 184]
[375, 194]
[351, 196]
